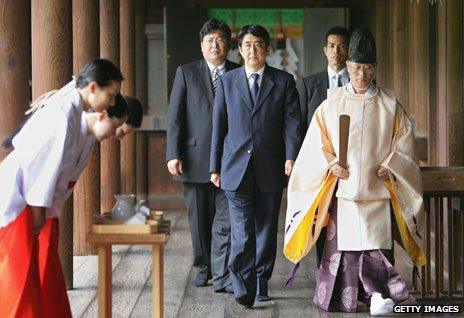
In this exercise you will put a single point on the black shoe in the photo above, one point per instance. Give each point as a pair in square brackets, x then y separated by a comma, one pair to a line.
[262, 298]
[201, 277]
[261, 293]
[228, 289]
[245, 301]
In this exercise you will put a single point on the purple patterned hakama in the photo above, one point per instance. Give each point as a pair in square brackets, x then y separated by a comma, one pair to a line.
[344, 277]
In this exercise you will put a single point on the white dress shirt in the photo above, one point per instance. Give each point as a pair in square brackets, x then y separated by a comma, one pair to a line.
[221, 68]
[260, 72]
[333, 77]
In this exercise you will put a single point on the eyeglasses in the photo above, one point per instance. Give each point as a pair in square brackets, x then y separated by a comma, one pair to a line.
[210, 41]
[366, 68]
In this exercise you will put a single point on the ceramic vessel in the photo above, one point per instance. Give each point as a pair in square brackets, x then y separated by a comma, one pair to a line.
[124, 207]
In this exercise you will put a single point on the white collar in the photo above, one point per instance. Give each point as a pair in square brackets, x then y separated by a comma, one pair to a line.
[332, 73]
[370, 91]
[84, 125]
[260, 72]
[212, 67]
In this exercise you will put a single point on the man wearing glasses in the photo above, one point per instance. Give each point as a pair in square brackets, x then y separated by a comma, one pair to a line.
[187, 155]
[375, 199]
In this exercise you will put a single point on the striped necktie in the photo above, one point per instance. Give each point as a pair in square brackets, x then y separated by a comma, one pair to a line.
[214, 77]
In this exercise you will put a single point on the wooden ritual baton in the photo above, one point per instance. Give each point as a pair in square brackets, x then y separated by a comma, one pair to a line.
[344, 131]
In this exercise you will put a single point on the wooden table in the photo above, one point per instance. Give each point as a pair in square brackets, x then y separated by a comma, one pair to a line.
[104, 243]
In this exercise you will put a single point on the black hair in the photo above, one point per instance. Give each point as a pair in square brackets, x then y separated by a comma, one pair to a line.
[135, 114]
[102, 71]
[340, 31]
[214, 25]
[120, 108]
[256, 30]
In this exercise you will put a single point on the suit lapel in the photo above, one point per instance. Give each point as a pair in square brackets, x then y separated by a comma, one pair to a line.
[228, 66]
[323, 84]
[205, 80]
[267, 83]
[244, 91]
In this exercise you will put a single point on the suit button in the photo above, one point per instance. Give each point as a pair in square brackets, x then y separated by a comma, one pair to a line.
[249, 151]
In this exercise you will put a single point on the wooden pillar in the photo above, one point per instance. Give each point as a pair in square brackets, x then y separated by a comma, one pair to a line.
[450, 73]
[419, 66]
[15, 58]
[86, 46]
[127, 45]
[65, 245]
[109, 149]
[400, 46]
[51, 69]
[141, 95]
[382, 32]
[141, 89]
[454, 80]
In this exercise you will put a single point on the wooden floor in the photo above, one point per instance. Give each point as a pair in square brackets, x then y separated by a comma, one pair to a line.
[132, 284]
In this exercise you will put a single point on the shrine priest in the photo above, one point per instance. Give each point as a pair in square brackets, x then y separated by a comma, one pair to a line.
[374, 200]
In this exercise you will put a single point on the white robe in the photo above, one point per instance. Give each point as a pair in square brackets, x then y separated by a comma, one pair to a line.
[46, 153]
[380, 133]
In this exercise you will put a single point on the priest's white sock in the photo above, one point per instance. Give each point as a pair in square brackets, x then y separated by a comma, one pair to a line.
[381, 306]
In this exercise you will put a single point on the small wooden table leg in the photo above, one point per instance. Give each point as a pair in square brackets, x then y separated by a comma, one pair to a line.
[158, 281]
[104, 281]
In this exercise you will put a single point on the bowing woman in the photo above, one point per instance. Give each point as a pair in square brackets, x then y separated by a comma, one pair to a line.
[36, 177]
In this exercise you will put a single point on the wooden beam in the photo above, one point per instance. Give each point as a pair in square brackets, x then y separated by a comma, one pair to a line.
[109, 149]
[86, 45]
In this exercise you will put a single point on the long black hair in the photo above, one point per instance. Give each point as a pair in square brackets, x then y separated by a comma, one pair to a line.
[102, 71]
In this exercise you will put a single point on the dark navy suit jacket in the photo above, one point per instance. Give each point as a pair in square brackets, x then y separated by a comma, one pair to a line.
[313, 91]
[269, 131]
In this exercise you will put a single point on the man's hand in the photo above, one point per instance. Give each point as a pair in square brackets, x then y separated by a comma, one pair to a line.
[38, 219]
[382, 173]
[216, 179]
[289, 167]
[175, 167]
[339, 171]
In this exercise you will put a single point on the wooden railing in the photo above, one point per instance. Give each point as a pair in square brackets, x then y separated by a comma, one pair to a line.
[442, 278]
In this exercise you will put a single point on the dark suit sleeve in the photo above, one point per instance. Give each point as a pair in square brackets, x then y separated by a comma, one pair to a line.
[292, 125]
[219, 128]
[303, 94]
[176, 117]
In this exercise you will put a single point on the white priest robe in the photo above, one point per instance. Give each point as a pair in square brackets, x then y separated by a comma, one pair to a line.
[380, 134]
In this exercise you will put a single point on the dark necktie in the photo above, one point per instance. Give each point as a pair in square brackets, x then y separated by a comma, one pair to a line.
[339, 81]
[254, 87]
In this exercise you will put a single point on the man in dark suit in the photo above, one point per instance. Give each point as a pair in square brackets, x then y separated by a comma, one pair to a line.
[256, 138]
[187, 155]
[313, 89]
